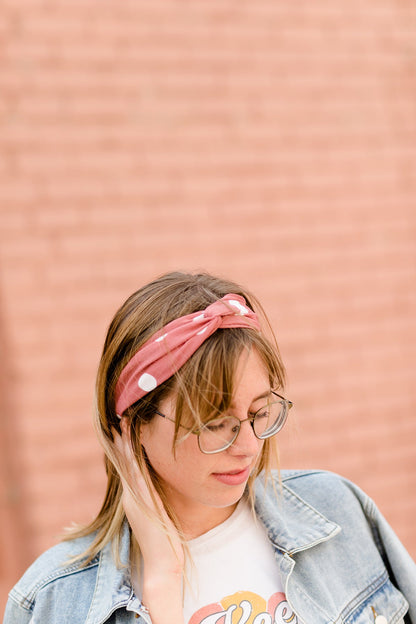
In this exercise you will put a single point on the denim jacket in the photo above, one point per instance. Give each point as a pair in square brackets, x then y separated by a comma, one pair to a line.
[339, 560]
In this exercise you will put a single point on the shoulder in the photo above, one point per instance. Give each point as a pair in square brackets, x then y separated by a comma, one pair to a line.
[51, 568]
[329, 493]
[320, 485]
[316, 481]
[58, 589]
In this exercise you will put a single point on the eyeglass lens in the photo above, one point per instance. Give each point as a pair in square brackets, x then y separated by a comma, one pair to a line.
[221, 432]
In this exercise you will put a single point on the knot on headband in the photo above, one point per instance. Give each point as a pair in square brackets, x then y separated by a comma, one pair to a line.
[169, 348]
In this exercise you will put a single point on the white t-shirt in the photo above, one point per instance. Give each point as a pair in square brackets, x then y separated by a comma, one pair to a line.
[233, 577]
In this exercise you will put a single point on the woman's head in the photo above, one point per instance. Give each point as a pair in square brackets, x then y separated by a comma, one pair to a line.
[201, 486]
[202, 388]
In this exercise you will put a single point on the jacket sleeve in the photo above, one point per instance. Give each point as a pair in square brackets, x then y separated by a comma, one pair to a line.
[16, 614]
[397, 559]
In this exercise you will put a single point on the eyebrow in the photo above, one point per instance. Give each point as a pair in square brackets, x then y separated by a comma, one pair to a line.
[264, 395]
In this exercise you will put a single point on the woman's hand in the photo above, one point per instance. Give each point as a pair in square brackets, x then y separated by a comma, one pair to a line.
[159, 542]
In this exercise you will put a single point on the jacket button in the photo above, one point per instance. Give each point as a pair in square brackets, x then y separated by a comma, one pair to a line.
[380, 619]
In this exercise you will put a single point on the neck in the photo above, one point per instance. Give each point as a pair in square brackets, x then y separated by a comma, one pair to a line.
[194, 523]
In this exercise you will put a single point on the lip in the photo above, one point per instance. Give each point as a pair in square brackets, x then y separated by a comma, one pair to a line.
[233, 477]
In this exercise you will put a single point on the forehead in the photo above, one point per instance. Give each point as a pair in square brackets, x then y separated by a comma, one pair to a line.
[251, 377]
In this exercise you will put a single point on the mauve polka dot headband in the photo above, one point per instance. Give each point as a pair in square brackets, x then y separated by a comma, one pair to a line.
[169, 348]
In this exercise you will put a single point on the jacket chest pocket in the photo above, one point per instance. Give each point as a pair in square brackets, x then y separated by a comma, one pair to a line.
[386, 605]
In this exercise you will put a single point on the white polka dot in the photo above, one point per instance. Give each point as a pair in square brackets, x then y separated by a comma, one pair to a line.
[202, 331]
[239, 306]
[161, 338]
[198, 318]
[147, 382]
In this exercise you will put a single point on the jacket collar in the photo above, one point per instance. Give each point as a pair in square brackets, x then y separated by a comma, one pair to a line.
[292, 524]
[113, 588]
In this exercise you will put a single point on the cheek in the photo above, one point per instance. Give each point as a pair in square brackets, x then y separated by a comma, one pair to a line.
[182, 464]
[147, 433]
[188, 456]
[156, 443]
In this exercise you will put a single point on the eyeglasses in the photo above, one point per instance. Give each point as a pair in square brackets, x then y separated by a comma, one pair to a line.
[218, 434]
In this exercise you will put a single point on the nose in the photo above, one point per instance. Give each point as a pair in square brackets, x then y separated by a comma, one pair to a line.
[246, 442]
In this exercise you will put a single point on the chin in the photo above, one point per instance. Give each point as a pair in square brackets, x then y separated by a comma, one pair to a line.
[229, 501]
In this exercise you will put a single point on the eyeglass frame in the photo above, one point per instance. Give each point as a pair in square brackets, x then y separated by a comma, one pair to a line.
[288, 405]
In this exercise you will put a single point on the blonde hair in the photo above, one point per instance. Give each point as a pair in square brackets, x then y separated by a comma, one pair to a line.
[203, 385]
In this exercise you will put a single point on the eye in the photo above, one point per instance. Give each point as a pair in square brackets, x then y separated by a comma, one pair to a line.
[216, 425]
[262, 413]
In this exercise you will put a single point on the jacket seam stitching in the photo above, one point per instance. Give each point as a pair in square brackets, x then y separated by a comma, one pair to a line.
[20, 600]
[30, 598]
[365, 594]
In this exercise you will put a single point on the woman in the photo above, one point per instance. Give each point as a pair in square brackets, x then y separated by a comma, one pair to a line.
[195, 527]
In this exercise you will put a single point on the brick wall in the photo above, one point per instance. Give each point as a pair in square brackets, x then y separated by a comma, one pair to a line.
[270, 142]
